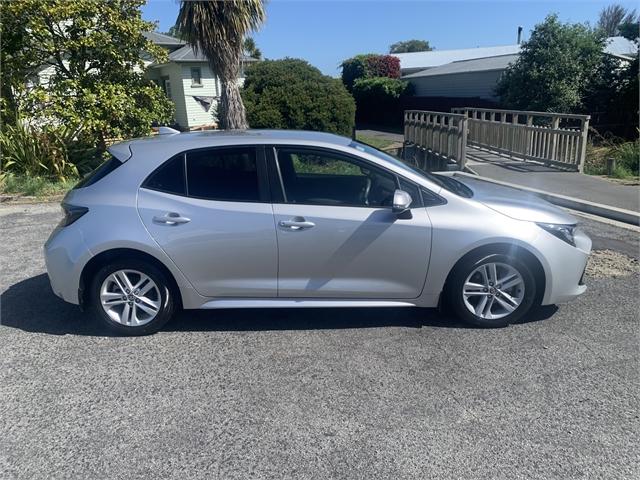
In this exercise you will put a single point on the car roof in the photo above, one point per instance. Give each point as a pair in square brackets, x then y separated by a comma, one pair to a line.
[211, 138]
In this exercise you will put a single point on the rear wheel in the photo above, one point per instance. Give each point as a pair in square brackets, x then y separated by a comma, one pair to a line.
[132, 297]
[491, 290]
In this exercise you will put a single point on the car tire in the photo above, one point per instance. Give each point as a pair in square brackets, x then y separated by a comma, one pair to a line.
[136, 296]
[471, 281]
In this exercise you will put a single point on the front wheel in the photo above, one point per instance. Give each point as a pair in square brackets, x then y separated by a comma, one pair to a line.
[491, 290]
[132, 297]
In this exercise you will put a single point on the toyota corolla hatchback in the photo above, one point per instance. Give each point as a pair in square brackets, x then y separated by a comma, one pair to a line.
[257, 219]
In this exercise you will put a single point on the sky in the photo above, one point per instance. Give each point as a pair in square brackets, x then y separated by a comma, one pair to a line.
[325, 32]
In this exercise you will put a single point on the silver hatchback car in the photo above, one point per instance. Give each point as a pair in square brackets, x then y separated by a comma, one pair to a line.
[256, 219]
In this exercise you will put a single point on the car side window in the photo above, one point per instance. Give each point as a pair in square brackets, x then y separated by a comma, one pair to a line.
[320, 177]
[226, 174]
[411, 189]
[169, 177]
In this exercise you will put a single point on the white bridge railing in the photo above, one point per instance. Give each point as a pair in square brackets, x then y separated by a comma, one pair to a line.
[552, 138]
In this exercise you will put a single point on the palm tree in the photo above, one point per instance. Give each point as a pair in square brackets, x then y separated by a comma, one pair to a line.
[251, 49]
[217, 28]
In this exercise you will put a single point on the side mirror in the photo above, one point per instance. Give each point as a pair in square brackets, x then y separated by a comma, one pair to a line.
[401, 201]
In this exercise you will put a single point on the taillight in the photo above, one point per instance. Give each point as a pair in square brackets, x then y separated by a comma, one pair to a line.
[71, 214]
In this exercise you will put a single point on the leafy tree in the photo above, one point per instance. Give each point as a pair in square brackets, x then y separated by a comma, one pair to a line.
[93, 72]
[554, 69]
[292, 94]
[613, 16]
[410, 46]
[368, 66]
[630, 30]
[218, 29]
[251, 49]
[174, 32]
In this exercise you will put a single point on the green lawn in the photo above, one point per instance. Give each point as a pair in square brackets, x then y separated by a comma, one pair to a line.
[379, 143]
[35, 186]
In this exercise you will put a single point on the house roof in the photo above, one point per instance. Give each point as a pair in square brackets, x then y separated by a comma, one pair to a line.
[621, 47]
[486, 64]
[435, 58]
[187, 54]
[162, 39]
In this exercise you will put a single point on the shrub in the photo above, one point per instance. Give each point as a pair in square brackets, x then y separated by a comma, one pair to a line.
[368, 66]
[379, 99]
[627, 156]
[292, 94]
[35, 151]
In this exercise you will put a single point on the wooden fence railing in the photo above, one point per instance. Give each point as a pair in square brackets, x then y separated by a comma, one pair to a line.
[552, 138]
[435, 140]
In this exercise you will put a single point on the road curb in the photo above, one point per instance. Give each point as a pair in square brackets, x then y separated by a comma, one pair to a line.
[606, 211]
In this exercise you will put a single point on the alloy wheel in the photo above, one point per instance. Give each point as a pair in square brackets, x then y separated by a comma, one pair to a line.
[130, 298]
[493, 291]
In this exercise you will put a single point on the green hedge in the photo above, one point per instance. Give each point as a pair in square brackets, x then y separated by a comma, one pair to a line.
[379, 99]
[291, 94]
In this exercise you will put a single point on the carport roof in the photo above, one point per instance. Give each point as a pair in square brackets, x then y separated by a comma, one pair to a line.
[467, 66]
[435, 58]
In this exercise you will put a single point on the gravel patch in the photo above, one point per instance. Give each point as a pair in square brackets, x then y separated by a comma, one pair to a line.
[609, 263]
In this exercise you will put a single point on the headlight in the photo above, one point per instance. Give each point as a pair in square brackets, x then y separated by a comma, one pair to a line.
[563, 232]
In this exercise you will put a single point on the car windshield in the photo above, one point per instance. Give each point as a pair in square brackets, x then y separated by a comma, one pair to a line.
[450, 184]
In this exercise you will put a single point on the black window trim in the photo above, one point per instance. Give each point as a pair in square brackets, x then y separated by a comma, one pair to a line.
[278, 184]
[261, 170]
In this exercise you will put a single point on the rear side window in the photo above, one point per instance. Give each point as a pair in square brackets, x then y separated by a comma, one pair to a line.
[102, 171]
[223, 174]
[169, 177]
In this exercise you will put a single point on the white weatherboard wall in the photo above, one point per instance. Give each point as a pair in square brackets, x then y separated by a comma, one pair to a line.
[195, 115]
[475, 84]
[171, 71]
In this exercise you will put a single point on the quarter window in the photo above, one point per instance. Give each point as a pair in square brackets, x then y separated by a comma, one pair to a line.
[326, 178]
[169, 177]
[411, 189]
[223, 174]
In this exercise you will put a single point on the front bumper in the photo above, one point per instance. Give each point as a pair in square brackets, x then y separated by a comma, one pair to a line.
[566, 267]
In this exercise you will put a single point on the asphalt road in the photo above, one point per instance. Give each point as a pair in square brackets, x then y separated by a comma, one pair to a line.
[290, 394]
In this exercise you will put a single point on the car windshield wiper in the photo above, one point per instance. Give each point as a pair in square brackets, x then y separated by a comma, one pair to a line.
[453, 185]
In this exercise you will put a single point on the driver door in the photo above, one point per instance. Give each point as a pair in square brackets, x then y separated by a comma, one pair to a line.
[337, 235]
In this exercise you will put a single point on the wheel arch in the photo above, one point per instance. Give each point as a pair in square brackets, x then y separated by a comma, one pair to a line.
[518, 251]
[117, 254]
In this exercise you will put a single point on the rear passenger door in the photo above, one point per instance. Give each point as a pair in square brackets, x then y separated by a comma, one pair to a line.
[209, 210]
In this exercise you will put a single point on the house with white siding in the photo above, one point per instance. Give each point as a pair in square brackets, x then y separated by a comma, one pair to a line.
[188, 81]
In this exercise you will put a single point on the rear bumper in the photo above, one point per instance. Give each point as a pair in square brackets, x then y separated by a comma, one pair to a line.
[65, 253]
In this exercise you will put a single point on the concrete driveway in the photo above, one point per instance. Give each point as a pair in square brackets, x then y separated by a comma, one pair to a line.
[290, 394]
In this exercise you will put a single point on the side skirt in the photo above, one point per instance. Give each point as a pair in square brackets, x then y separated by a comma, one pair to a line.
[301, 302]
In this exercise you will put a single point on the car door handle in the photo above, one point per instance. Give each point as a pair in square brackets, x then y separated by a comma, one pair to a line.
[296, 224]
[172, 218]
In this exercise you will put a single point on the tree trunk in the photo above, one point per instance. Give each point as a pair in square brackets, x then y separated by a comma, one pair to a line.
[231, 112]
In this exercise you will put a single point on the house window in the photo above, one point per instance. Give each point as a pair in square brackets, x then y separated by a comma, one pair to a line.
[196, 77]
[166, 86]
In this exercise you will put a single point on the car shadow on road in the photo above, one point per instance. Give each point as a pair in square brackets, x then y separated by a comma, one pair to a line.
[31, 306]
